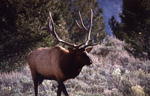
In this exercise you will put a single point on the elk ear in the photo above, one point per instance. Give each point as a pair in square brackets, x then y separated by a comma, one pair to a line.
[89, 49]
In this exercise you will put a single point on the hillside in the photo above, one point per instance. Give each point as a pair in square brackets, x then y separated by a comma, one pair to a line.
[114, 72]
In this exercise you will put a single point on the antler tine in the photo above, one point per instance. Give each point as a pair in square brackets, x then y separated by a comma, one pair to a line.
[78, 24]
[52, 28]
[53, 32]
[82, 21]
[82, 26]
[90, 28]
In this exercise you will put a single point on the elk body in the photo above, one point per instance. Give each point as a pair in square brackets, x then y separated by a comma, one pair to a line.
[58, 63]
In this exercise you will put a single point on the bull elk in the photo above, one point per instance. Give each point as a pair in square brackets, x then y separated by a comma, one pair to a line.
[58, 63]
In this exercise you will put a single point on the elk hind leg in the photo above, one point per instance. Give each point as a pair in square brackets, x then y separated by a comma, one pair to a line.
[35, 81]
[35, 87]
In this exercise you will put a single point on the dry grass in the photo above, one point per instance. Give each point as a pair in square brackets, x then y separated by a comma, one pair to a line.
[114, 73]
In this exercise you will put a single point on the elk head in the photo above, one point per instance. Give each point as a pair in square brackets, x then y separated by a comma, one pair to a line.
[80, 51]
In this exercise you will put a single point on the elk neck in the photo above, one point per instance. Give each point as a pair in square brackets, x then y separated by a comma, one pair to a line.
[70, 66]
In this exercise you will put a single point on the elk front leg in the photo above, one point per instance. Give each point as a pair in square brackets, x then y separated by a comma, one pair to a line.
[59, 90]
[61, 87]
[64, 90]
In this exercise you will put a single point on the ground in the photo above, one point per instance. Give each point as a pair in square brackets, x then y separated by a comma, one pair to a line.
[115, 72]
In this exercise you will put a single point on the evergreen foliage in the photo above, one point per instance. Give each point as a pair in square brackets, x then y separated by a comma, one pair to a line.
[135, 28]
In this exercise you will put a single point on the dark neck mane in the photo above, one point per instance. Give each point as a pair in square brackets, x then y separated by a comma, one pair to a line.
[70, 67]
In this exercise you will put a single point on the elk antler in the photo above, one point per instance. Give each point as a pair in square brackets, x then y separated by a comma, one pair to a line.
[82, 26]
[89, 30]
[53, 32]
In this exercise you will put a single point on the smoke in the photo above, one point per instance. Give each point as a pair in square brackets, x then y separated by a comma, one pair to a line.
[110, 8]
